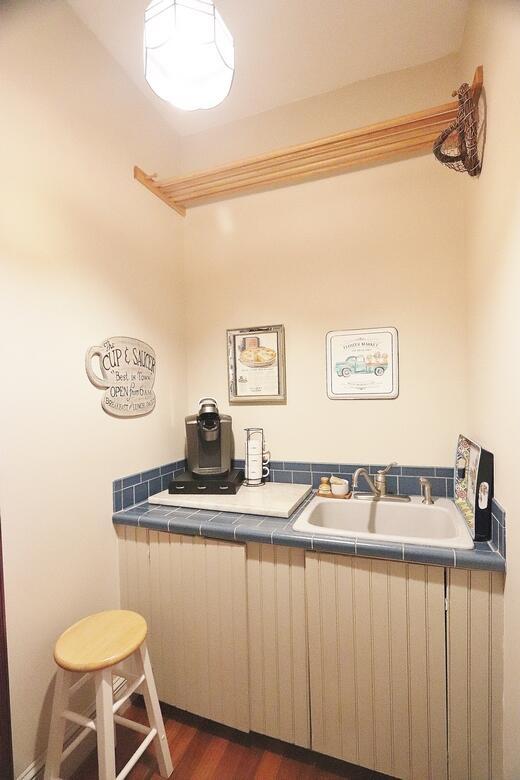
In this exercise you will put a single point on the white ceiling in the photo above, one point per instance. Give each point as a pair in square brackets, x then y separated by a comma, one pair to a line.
[287, 50]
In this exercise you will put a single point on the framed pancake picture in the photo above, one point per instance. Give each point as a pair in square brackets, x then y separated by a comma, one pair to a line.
[256, 365]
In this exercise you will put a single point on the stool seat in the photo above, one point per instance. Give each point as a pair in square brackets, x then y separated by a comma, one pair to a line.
[100, 640]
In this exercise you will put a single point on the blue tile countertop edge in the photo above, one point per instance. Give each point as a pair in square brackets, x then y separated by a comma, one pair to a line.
[271, 530]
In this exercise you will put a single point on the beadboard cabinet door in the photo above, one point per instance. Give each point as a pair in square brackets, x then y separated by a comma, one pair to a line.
[278, 659]
[377, 664]
[475, 674]
[192, 593]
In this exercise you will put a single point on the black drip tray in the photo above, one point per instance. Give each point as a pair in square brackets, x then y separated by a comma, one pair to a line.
[187, 484]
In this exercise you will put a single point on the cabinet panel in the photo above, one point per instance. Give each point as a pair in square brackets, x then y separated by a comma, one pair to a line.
[475, 636]
[278, 665]
[377, 664]
[192, 593]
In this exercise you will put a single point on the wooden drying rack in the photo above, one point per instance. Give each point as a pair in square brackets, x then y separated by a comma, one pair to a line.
[393, 138]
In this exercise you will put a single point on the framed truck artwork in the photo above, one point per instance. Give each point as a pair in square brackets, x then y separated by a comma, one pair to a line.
[363, 364]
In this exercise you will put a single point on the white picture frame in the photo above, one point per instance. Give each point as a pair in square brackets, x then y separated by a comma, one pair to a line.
[363, 364]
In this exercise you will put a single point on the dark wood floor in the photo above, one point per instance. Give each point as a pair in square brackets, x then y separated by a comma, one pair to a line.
[203, 750]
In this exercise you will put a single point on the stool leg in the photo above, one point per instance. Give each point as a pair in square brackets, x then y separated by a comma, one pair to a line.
[57, 726]
[153, 711]
[105, 725]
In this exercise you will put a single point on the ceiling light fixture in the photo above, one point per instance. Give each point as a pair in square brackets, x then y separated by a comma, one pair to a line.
[189, 55]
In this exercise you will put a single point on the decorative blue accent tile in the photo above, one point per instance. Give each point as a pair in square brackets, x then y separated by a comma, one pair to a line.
[498, 511]
[154, 510]
[230, 518]
[133, 479]
[501, 540]
[154, 522]
[238, 464]
[275, 524]
[302, 477]
[395, 470]
[478, 559]
[155, 486]
[117, 484]
[165, 480]
[141, 492]
[296, 466]
[329, 468]
[444, 472]
[388, 550]
[287, 539]
[150, 474]
[178, 471]
[418, 471]
[168, 468]
[128, 497]
[183, 525]
[350, 468]
[118, 501]
[391, 484]
[203, 515]
[276, 464]
[450, 490]
[282, 476]
[182, 512]
[122, 518]
[245, 533]
[323, 543]
[411, 486]
[495, 526]
[251, 520]
[218, 531]
[438, 556]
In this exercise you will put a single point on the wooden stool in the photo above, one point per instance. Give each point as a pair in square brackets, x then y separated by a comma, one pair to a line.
[94, 646]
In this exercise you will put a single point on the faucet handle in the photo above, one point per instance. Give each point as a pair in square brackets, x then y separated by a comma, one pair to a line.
[387, 469]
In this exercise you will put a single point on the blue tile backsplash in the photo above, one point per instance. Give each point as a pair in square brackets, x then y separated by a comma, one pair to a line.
[137, 488]
[401, 479]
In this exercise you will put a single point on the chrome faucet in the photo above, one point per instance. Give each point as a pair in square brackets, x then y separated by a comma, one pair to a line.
[377, 486]
[364, 473]
[426, 490]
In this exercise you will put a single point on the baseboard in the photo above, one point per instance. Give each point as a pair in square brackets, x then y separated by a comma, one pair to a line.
[35, 770]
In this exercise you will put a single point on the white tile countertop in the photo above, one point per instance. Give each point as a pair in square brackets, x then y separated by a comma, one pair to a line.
[274, 499]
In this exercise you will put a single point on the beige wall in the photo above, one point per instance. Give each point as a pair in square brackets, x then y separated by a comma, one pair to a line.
[493, 250]
[85, 253]
[376, 247]
[355, 105]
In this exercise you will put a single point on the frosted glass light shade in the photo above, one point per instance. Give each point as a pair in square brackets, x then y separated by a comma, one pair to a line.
[189, 54]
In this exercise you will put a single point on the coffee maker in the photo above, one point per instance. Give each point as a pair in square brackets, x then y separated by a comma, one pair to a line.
[209, 445]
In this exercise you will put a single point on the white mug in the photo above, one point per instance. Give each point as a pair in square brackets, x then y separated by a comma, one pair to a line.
[257, 460]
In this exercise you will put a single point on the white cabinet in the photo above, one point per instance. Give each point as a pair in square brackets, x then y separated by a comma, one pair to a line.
[361, 653]
[192, 593]
[377, 664]
[278, 664]
[475, 684]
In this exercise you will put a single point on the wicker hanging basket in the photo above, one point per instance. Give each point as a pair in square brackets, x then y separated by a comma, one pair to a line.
[457, 146]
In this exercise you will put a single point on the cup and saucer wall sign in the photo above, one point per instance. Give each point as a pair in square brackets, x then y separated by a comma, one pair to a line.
[127, 375]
